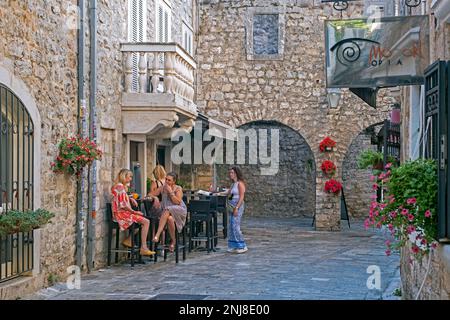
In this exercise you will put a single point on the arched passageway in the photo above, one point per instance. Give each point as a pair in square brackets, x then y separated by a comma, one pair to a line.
[356, 182]
[290, 192]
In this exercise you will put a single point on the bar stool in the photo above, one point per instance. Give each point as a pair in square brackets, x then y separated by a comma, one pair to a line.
[154, 224]
[200, 213]
[222, 207]
[134, 251]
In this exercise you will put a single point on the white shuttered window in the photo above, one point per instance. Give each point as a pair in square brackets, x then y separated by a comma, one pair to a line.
[137, 31]
[163, 22]
[187, 38]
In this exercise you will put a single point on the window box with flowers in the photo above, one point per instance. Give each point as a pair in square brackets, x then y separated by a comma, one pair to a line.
[408, 211]
[333, 186]
[327, 145]
[328, 168]
[75, 154]
[15, 221]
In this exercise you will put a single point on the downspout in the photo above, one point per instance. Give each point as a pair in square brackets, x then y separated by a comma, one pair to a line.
[81, 129]
[92, 188]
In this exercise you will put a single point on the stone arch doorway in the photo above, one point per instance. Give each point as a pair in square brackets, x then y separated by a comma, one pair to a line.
[356, 182]
[291, 191]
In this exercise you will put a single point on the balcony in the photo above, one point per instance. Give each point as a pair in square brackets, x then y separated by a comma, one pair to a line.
[159, 88]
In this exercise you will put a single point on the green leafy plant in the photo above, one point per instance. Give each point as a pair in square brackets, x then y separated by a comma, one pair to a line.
[15, 221]
[52, 279]
[397, 292]
[409, 207]
[74, 154]
[373, 159]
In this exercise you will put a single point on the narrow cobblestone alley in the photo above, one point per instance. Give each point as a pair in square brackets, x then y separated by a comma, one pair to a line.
[286, 260]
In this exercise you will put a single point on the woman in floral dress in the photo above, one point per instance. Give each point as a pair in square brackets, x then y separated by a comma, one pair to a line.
[124, 214]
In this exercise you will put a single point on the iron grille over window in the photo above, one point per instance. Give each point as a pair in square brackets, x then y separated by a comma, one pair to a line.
[16, 181]
[436, 144]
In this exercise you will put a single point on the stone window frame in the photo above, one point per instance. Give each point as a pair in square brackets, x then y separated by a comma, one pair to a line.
[249, 33]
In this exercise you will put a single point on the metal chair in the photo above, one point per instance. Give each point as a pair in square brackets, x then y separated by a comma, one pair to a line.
[134, 251]
[199, 214]
[222, 207]
[162, 246]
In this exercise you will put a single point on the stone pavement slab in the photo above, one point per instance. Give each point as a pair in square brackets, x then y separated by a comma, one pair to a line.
[287, 260]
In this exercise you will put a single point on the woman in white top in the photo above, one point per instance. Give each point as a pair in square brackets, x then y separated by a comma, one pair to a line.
[236, 243]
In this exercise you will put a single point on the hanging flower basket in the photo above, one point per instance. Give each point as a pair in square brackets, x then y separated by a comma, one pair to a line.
[333, 186]
[328, 168]
[327, 145]
[75, 154]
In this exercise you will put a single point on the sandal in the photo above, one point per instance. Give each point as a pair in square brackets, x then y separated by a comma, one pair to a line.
[146, 252]
[172, 247]
[155, 239]
[127, 243]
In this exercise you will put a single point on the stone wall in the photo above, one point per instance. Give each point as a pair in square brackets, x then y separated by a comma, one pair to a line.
[356, 182]
[290, 90]
[434, 274]
[288, 193]
[437, 281]
[38, 46]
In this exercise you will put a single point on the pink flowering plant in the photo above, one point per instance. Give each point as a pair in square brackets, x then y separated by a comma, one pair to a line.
[74, 154]
[408, 209]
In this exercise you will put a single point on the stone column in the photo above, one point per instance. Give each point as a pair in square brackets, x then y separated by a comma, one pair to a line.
[328, 209]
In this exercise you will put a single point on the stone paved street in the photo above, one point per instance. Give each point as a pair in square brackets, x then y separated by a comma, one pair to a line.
[286, 260]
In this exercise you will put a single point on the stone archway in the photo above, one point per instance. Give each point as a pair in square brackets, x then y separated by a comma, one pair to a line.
[356, 182]
[291, 192]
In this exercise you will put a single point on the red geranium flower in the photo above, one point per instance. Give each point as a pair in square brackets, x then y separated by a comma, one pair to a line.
[326, 144]
[333, 186]
[328, 167]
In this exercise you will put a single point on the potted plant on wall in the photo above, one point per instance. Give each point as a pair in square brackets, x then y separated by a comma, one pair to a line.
[408, 210]
[327, 145]
[333, 186]
[371, 158]
[15, 221]
[75, 154]
[328, 168]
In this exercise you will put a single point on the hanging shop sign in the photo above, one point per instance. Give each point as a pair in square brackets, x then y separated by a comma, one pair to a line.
[373, 53]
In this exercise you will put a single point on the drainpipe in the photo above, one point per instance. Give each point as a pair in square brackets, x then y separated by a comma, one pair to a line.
[92, 188]
[81, 129]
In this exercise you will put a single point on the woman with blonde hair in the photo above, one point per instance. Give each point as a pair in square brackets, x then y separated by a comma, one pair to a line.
[155, 193]
[124, 214]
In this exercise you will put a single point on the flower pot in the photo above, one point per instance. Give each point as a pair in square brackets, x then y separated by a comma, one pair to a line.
[378, 165]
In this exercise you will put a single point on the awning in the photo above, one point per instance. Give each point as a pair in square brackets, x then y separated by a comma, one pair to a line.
[217, 128]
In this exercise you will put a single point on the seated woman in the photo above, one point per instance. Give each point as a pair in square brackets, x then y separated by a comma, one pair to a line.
[155, 194]
[124, 215]
[174, 209]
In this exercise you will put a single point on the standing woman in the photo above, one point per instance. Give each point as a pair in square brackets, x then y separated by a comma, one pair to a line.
[174, 209]
[236, 243]
[124, 215]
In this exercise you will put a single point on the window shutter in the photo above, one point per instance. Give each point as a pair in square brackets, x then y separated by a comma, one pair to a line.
[160, 24]
[163, 19]
[166, 26]
[137, 26]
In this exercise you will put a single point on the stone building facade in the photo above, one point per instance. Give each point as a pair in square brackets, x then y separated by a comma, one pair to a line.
[38, 64]
[241, 83]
